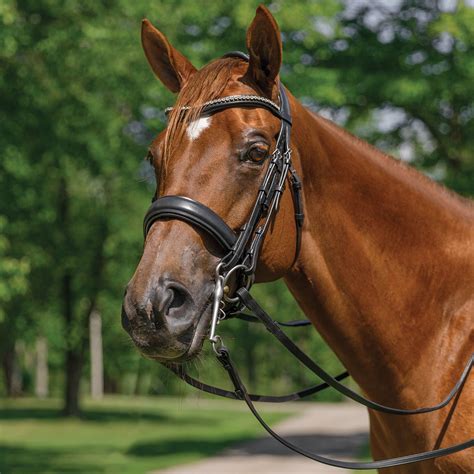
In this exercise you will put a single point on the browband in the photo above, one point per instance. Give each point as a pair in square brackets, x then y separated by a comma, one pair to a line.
[243, 100]
[194, 213]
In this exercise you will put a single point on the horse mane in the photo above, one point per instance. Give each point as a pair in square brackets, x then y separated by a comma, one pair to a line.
[208, 83]
[408, 173]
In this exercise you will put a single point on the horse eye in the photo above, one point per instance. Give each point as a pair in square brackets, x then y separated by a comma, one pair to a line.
[257, 153]
[149, 157]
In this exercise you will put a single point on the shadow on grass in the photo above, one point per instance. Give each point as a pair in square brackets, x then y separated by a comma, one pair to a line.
[100, 415]
[182, 445]
[39, 413]
[15, 459]
[350, 445]
[21, 413]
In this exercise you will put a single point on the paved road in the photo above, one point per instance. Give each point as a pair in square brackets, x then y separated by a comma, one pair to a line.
[337, 430]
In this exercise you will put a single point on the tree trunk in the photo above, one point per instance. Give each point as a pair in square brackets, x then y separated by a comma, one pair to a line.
[73, 356]
[73, 332]
[17, 376]
[111, 385]
[76, 333]
[97, 367]
[8, 358]
[74, 362]
[41, 381]
[11, 371]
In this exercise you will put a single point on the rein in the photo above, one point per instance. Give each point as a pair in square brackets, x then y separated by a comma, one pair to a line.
[240, 262]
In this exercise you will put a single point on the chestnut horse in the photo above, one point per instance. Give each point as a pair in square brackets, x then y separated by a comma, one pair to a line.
[385, 270]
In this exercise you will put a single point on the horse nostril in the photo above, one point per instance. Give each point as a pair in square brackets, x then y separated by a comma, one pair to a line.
[180, 296]
[169, 295]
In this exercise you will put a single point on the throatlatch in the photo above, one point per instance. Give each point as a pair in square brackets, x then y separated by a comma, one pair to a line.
[241, 253]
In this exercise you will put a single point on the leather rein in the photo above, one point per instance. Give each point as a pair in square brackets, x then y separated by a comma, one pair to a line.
[239, 263]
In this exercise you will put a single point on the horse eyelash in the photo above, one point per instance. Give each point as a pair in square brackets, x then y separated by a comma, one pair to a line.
[149, 157]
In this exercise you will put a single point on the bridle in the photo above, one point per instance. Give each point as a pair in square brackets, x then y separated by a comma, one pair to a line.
[241, 252]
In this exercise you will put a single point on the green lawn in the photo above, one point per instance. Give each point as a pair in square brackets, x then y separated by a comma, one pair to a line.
[119, 435]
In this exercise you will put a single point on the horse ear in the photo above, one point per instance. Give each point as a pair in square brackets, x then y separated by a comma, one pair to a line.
[265, 51]
[168, 64]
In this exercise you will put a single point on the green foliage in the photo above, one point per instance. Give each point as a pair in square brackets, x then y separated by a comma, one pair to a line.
[414, 62]
[80, 106]
[13, 272]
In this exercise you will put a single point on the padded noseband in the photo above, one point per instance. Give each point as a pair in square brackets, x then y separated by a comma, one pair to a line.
[193, 212]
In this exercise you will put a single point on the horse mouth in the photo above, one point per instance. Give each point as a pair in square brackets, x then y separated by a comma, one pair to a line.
[180, 348]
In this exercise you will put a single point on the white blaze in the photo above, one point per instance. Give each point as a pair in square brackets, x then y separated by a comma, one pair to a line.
[196, 127]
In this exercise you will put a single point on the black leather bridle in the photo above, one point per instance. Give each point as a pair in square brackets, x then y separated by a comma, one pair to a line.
[241, 251]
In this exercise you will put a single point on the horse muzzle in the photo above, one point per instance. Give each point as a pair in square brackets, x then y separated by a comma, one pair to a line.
[165, 323]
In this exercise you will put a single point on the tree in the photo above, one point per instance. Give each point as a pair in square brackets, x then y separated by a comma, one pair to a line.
[405, 81]
[42, 374]
[66, 158]
[14, 271]
[80, 106]
[96, 355]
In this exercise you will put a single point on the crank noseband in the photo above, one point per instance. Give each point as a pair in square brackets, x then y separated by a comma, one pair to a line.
[192, 212]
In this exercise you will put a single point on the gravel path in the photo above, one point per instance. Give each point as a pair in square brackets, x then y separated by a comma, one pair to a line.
[336, 430]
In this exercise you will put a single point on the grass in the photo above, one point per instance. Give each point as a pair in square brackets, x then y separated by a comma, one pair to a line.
[119, 434]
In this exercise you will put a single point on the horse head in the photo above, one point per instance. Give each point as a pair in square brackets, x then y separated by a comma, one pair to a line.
[219, 160]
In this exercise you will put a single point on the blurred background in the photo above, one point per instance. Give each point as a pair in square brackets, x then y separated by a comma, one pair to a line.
[78, 108]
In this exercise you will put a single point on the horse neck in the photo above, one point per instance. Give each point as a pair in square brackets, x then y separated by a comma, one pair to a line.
[379, 249]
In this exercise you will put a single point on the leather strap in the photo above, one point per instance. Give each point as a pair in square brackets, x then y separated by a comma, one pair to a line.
[298, 206]
[242, 394]
[269, 192]
[180, 371]
[309, 363]
[237, 54]
[192, 212]
[250, 101]
[252, 319]
[221, 392]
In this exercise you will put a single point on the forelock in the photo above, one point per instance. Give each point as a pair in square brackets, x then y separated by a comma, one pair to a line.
[206, 84]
